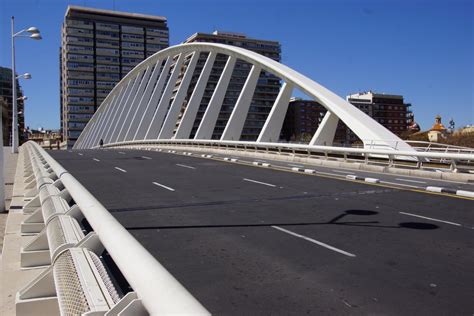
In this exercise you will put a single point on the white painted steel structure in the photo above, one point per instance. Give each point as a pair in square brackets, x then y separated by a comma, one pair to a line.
[146, 104]
[156, 289]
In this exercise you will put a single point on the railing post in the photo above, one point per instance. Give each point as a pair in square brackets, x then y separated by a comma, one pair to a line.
[390, 160]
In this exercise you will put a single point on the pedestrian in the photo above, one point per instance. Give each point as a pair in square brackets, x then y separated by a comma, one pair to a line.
[101, 143]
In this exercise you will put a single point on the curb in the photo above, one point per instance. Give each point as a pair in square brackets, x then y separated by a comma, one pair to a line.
[369, 180]
[263, 164]
[451, 191]
[310, 171]
[231, 159]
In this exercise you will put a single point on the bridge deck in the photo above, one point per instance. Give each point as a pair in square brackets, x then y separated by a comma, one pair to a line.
[247, 240]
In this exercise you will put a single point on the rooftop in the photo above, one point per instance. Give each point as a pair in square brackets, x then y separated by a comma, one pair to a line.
[229, 35]
[369, 95]
[78, 9]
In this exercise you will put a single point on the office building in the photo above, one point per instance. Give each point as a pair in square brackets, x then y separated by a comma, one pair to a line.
[98, 48]
[265, 93]
[7, 106]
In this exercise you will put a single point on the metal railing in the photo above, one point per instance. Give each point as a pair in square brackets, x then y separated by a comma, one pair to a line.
[159, 292]
[416, 159]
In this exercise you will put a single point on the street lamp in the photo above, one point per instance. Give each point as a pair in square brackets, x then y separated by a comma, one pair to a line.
[26, 75]
[34, 33]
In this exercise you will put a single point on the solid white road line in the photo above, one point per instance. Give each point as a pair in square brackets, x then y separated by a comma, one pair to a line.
[401, 184]
[431, 219]
[145, 157]
[120, 169]
[121, 152]
[344, 172]
[95, 159]
[185, 166]
[291, 165]
[330, 174]
[163, 186]
[315, 241]
[414, 181]
[255, 181]
[80, 154]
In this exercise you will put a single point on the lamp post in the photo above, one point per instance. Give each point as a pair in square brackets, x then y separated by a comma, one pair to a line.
[2, 180]
[34, 34]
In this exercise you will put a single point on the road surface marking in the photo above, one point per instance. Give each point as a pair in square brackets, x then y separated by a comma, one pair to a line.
[401, 184]
[145, 157]
[120, 169]
[95, 159]
[315, 242]
[332, 175]
[80, 154]
[255, 181]
[185, 166]
[291, 165]
[431, 219]
[163, 186]
[414, 181]
[121, 152]
[342, 171]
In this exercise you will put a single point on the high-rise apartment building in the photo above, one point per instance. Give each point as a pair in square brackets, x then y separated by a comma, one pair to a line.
[304, 116]
[389, 110]
[302, 120]
[265, 93]
[7, 107]
[98, 48]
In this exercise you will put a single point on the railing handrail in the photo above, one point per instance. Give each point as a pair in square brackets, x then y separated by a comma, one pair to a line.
[323, 149]
[160, 292]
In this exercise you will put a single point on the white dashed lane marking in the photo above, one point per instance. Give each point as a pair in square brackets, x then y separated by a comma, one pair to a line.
[431, 219]
[120, 169]
[259, 182]
[185, 166]
[314, 241]
[163, 186]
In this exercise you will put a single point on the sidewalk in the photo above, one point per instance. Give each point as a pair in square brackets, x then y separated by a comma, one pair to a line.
[9, 168]
[12, 276]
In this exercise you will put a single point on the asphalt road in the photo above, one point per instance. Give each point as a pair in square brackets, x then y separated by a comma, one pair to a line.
[247, 240]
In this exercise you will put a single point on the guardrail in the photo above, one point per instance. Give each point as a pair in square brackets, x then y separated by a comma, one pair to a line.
[421, 160]
[77, 282]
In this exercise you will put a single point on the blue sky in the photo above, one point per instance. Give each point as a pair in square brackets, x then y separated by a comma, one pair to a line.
[420, 49]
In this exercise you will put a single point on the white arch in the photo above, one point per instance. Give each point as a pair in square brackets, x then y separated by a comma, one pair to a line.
[366, 128]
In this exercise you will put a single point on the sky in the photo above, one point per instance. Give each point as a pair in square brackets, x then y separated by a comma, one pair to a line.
[421, 49]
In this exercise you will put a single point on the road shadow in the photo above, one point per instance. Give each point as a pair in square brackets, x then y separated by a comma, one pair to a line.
[334, 221]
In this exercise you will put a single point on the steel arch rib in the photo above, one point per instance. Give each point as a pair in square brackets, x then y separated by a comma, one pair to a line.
[366, 128]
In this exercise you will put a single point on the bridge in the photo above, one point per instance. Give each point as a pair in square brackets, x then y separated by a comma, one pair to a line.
[164, 218]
